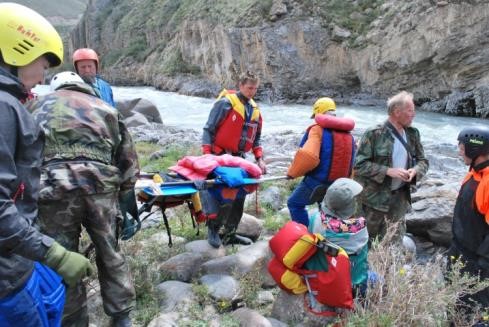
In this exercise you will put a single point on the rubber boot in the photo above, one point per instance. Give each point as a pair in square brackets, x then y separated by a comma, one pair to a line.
[213, 235]
[122, 320]
[237, 239]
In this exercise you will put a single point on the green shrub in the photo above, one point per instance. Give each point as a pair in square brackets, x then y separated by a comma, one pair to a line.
[174, 64]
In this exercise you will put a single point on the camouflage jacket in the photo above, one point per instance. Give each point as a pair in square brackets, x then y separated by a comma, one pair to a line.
[374, 157]
[88, 148]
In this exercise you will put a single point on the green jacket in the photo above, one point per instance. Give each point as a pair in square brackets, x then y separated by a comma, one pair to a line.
[88, 148]
[374, 157]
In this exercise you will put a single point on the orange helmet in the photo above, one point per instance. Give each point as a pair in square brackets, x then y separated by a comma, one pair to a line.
[85, 54]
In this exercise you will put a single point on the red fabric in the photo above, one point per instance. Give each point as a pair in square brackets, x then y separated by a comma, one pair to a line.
[198, 167]
[258, 152]
[277, 271]
[228, 134]
[342, 155]
[482, 191]
[282, 243]
[336, 123]
[206, 149]
[332, 287]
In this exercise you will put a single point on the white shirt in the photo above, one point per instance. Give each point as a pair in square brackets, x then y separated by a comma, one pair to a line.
[399, 159]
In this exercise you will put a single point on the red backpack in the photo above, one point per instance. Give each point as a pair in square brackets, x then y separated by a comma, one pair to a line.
[307, 263]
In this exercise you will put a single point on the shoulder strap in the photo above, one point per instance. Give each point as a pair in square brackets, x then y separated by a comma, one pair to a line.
[400, 138]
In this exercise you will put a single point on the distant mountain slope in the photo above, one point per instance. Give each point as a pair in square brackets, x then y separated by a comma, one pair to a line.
[67, 9]
[352, 50]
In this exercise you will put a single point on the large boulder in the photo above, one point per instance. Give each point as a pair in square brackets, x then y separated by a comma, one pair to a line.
[145, 107]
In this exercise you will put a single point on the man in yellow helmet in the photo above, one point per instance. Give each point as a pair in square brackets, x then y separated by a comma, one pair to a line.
[326, 153]
[28, 46]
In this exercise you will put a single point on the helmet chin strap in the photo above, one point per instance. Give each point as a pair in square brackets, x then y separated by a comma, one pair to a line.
[14, 70]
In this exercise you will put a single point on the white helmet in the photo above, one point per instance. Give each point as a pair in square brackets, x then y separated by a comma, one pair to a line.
[64, 78]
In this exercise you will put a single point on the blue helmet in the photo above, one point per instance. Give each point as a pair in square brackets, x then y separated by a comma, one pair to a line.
[475, 140]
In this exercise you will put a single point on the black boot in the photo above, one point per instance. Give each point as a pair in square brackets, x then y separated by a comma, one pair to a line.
[236, 239]
[213, 235]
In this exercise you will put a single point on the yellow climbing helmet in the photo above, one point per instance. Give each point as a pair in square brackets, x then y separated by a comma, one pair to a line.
[323, 105]
[25, 36]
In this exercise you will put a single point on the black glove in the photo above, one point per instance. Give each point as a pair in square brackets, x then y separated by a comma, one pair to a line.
[129, 209]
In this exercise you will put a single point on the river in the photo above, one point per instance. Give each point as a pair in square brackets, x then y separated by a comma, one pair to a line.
[191, 112]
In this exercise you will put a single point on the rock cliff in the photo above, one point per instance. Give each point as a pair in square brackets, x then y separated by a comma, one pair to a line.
[354, 50]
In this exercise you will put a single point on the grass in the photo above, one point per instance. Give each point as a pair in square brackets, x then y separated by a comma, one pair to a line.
[413, 294]
[170, 158]
[143, 259]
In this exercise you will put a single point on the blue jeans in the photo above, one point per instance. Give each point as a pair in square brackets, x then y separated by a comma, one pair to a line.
[39, 304]
[300, 198]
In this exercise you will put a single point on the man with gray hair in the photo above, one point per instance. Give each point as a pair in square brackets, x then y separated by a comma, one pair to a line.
[390, 158]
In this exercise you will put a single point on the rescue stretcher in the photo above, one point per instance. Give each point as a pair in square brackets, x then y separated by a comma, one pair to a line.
[175, 192]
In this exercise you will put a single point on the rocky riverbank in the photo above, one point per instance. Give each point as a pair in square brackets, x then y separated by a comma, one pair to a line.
[197, 284]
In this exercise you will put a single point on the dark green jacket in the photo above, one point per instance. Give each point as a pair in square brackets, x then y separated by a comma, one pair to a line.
[374, 157]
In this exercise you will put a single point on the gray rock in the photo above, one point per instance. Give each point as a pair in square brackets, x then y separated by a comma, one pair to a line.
[250, 226]
[240, 263]
[165, 320]
[290, 308]
[250, 318]
[157, 154]
[145, 107]
[182, 267]
[221, 287]
[136, 120]
[276, 323]
[432, 218]
[277, 10]
[265, 297]
[481, 97]
[409, 245]
[203, 248]
[174, 295]
[340, 34]
[461, 104]
[272, 197]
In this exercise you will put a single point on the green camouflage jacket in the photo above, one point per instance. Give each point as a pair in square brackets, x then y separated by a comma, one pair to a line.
[88, 149]
[373, 158]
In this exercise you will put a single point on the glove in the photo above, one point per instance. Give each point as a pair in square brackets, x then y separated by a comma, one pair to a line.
[263, 166]
[71, 266]
[206, 149]
[128, 205]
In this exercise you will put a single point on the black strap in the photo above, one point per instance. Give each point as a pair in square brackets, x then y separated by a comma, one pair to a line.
[401, 139]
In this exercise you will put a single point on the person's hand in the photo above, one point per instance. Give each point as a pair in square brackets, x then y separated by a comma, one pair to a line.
[206, 149]
[400, 173]
[412, 174]
[263, 166]
[71, 266]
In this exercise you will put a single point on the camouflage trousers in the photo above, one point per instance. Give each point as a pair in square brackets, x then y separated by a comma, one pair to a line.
[62, 220]
[379, 221]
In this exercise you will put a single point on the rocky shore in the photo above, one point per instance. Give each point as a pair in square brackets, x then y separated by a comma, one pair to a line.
[227, 277]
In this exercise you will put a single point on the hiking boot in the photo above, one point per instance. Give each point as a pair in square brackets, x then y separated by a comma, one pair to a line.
[213, 237]
[237, 239]
[122, 321]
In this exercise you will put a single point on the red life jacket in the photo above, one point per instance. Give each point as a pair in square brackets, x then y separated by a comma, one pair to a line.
[228, 135]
